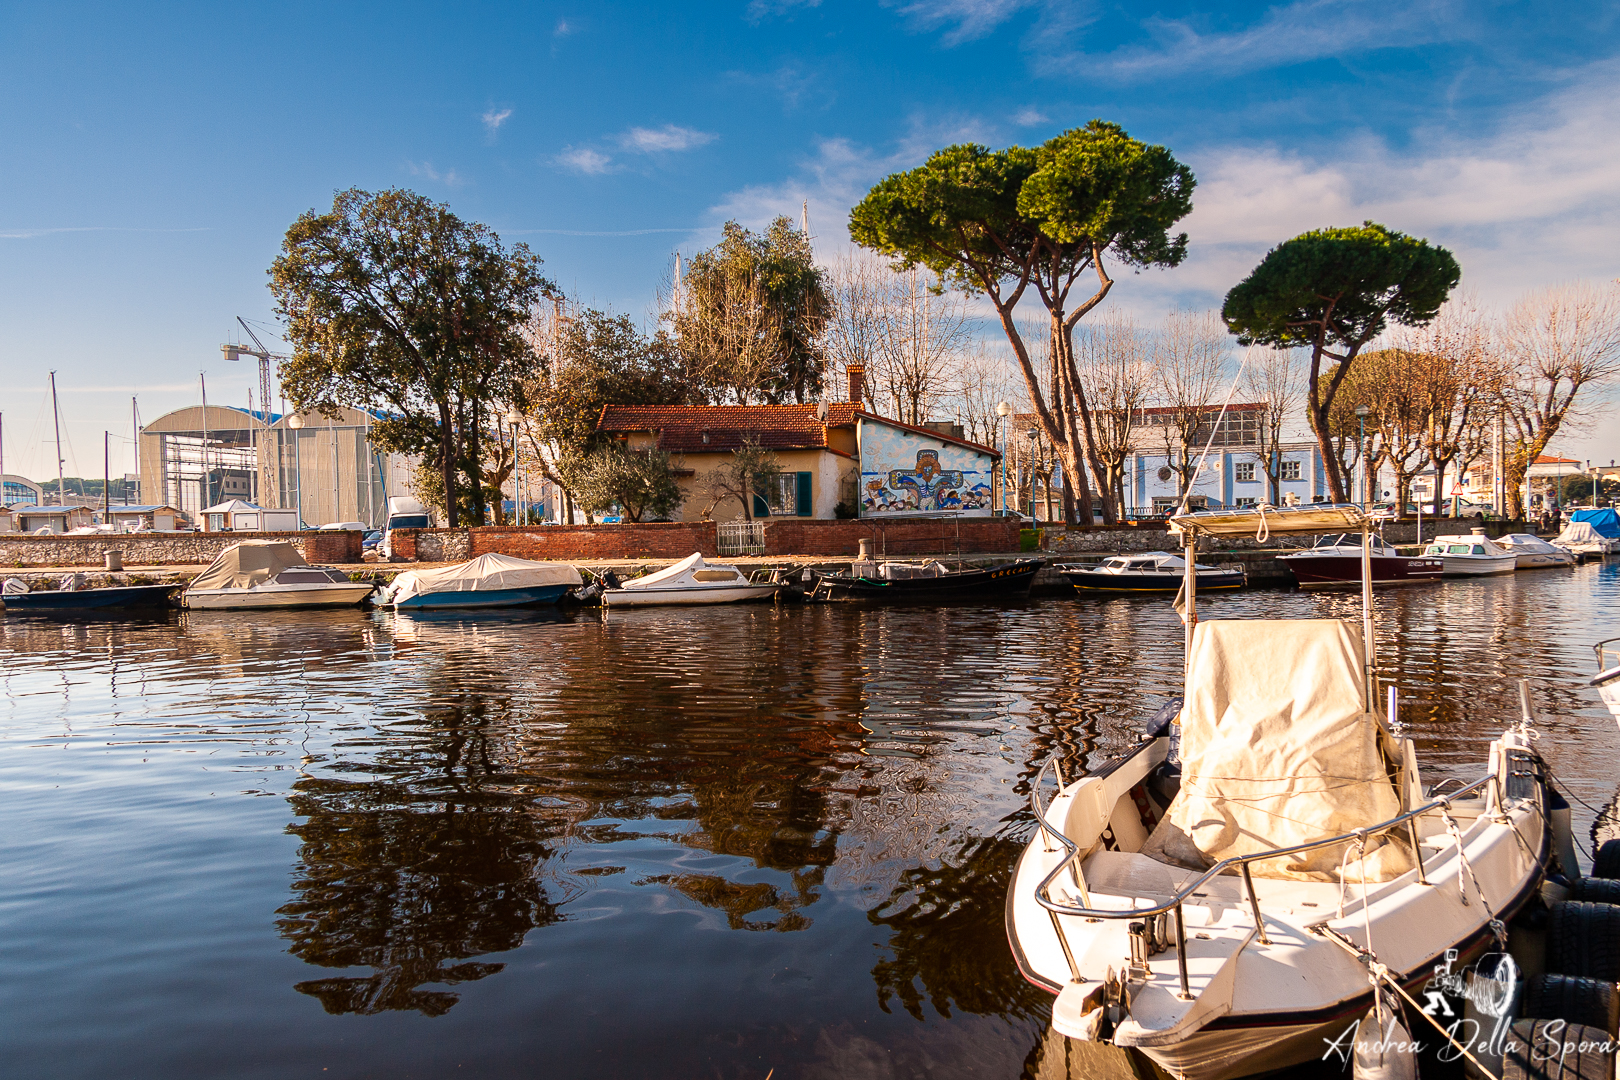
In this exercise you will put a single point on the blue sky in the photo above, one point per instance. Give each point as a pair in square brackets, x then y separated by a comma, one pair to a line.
[151, 156]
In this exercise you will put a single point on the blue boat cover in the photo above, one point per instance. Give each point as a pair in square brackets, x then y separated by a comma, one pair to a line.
[1604, 521]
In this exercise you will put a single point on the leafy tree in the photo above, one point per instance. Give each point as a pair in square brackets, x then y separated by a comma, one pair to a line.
[997, 222]
[395, 305]
[749, 314]
[641, 482]
[748, 471]
[1333, 291]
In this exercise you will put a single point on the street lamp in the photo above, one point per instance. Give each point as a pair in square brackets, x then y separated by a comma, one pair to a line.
[296, 422]
[515, 418]
[1366, 473]
[1003, 410]
[1033, 461]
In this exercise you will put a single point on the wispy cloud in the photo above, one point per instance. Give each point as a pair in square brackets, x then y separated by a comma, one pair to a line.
[792, 82]
[584, 160]
[760, 9]
[447, 177]
[1029, 117]
[562, 29]
[964, 20]
[494, 118]
[30, 234]
[667, 139]
[591, 232]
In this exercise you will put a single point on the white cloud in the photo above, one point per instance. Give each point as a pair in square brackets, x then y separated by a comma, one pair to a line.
[669, 138]
[425, 169]
[968, 19]
[585, 160]
[563, 29]
[759, 9]
[493, 119]
[1029, 117]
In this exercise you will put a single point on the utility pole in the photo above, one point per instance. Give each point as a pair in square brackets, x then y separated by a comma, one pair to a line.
[202, 380]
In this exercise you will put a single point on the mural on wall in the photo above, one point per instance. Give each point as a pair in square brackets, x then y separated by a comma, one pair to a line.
[903, 472]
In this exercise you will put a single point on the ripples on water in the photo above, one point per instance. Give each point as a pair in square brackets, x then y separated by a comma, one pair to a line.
[653, 843]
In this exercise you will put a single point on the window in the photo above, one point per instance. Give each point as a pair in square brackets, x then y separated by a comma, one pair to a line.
[1243, 473]
[781, 493]
[1290, 470]
[1247, 501]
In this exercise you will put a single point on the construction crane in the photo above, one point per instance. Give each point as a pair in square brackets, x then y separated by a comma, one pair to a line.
[237, 351]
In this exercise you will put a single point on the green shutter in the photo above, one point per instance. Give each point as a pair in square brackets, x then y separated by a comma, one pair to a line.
[762, 509]
[802, 500]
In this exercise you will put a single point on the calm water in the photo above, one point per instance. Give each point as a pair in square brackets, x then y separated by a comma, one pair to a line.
[680, 843]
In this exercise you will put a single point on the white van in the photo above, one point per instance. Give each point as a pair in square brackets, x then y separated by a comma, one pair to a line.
[403, 513]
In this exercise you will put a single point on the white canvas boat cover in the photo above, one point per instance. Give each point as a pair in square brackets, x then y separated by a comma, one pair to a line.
[1272, 520]
[1278, 749]
[693, 561]
[487, 573]
[1578, 532]
[248, 564]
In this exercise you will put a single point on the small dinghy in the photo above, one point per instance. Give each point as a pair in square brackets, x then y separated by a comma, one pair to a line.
[692, 581]
[1534, 553]
[1224, 897]
[489, 581]
[931, 581]
[1150, 571]
[261, 574]
[72, 595]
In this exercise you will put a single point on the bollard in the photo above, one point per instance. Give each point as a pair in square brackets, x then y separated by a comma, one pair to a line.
[115, 560]
[866, 551]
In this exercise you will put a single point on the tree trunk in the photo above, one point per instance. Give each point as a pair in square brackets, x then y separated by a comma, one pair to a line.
[1330, 459]
[447, 464]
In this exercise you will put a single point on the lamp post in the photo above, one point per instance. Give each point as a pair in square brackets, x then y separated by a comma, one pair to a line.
[515, 418]
[1366, 473]
[296, 422]
[1003, 410]
[1029, 466]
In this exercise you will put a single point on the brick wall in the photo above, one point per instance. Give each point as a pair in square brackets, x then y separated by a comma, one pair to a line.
[663, 540]
[915, 536]
[166, 549]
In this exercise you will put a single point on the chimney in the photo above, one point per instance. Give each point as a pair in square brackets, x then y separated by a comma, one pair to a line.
[857, 383]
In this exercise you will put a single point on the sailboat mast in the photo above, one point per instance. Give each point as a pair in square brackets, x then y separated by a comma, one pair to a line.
[56, 417]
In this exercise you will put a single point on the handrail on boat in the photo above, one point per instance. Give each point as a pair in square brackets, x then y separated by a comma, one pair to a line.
[1072, 861]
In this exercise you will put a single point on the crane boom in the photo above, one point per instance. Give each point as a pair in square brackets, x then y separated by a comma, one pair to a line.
[236, 352]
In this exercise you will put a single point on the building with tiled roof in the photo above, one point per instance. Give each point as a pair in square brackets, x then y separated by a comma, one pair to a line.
[837, 460]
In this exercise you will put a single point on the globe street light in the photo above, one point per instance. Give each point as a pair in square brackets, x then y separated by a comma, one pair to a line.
[1003, 410]
[296, 422]
[515, 418]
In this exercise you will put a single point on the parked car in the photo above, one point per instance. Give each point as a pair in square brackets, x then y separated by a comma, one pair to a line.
[344, 526]
[1386, 511]
[372, 538]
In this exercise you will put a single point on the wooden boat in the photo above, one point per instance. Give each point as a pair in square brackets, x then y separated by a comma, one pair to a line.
[1534, 553]
[1222, 897]
[1473, 555]
[691, 581]
[1148, 571]
[894, 582]
[261, 574]
[489, 581]
[1335, 561]
[121, 596]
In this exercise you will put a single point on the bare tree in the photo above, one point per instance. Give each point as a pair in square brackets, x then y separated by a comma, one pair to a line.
[855, 319]
[1459, 380]
[1556, 343]
[1274, 380]
[985, 379]
[750, 468]
[730, 332]
[1118, 376]
[1190, 360]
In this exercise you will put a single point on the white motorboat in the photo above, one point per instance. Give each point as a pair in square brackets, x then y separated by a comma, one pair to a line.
[1223, 897]
[1150, 571]
[692, 581]
[1607, 680]
[1534, 553]
[1474, 555]
[257, 574]
[1336, 561]
[1585, 542]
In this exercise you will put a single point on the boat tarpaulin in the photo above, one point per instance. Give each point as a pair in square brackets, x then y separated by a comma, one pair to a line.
[487, 573]
[1272, 520]
[247, 564]
[1278, 749]
[1604, 521]
[1579, 532]
[668, 573]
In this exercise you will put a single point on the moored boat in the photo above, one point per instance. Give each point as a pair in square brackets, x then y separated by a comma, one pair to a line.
[1224, 897]
[1474, 555]
[1149, 571]
[1534, 553]
[1336, 561]
[489, 581]
[1583, 541]
[83, 599]
[896, 582]
[692, 581]
[1607, 680]
[263, 574]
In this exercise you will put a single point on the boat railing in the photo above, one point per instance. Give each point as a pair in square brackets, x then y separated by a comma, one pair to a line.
[1605, 649]
[1240, 863]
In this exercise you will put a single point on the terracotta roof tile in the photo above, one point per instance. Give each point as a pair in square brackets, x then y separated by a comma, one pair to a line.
[683, 427]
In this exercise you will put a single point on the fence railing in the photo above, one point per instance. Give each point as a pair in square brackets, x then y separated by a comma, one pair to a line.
[740, 538]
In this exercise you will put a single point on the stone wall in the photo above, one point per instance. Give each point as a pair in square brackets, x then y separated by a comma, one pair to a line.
[430, 545]
[166, 549]
[914, 536]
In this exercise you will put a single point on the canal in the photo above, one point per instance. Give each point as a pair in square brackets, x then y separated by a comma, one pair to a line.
[689, 843]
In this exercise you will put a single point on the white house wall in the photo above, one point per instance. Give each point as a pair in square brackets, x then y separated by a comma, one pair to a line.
[909, 474]
[1217, 480]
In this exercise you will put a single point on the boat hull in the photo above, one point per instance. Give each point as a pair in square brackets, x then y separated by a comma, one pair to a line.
[1328, 571]
[1006, 581]
[323, 596]
[486, 598]
[1479, 565]
[690, 594]
[1087, 580]
[91, 599]
[1608, 688]
[1540, 560]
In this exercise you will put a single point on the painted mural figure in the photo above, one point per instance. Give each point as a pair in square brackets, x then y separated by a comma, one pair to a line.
[900, 477]
[926, 485]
